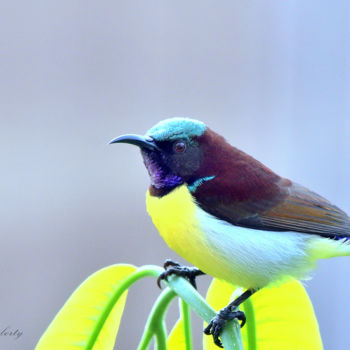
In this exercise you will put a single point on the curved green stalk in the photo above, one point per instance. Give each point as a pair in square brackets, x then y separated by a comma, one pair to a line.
[186, 316]
[144, 271]
[155, 324]
[161, 337]
[231, 335]
[251, 325]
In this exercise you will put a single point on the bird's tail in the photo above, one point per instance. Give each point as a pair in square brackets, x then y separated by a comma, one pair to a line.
[324, 248]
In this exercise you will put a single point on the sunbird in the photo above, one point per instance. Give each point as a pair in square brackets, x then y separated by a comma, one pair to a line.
[231, 216]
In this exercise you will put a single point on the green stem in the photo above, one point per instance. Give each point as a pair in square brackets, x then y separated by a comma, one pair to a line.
[231, 334]
[186, 316]
[161, 337]
[248, 308]
[155, 323]
[145, 340]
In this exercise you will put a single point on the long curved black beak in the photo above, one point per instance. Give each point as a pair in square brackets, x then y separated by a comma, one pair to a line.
[137, 140]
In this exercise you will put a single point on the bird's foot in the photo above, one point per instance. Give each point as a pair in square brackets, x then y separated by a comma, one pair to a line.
[217, 324]
[173, 268]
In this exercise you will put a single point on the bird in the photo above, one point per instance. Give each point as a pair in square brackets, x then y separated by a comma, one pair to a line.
[231, 216]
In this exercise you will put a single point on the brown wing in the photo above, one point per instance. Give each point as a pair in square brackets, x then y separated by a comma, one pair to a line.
[305, 211]
[291, 208]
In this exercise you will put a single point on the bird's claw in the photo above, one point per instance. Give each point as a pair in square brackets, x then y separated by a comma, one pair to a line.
[214, 328]
[173, 268]
[163, 276]
[169, 262]
[217, 324]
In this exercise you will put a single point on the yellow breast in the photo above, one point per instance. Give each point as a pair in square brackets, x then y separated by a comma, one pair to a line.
[174, 215]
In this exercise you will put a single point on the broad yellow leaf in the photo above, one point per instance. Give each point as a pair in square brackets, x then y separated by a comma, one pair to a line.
[90, 318]
[283, 315]
[176, 339]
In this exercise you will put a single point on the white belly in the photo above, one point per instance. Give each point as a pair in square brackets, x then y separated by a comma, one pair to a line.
[253, 258]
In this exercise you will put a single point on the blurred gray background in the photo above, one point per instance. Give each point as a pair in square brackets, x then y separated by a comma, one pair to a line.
[272, 76]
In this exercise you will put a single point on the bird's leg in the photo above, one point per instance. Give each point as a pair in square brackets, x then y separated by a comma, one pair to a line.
[229, 312]
[173, 268]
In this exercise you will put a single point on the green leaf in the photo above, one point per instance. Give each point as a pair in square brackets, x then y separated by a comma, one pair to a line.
[278, 317]
[90, 318]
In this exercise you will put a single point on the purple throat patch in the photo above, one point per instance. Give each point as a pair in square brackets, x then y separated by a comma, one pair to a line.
[160, 175]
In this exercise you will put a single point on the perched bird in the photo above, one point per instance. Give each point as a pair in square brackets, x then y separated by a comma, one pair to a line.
[231, 216]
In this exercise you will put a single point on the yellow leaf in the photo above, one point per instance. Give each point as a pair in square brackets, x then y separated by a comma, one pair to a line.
[176, 339]
[283, 313]
[89, 314]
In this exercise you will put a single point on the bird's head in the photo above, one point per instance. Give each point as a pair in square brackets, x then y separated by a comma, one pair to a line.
[174, 152]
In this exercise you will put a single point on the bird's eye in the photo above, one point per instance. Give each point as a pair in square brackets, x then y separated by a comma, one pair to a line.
[179, 147]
